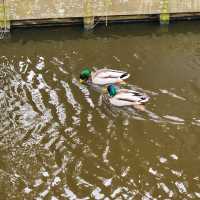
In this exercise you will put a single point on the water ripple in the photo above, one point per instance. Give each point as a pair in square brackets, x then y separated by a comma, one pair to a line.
[59, 140]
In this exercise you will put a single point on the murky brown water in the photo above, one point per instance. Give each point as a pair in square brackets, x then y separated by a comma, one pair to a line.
[57, 141]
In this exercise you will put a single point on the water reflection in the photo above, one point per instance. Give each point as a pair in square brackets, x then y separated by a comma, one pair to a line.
[58, 140]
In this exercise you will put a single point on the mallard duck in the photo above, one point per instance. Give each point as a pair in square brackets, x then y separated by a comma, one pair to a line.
[126, 97]
[103, 76]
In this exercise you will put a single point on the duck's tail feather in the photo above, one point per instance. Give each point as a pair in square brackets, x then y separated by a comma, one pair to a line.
[125, 76]
[144, 99]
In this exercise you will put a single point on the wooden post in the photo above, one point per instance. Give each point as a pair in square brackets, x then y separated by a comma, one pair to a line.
[164, 12]
[107, 4]
[88, 15]
[1, 14]
[4, 17]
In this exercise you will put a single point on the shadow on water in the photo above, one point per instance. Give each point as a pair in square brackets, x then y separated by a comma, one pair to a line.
[101, 31]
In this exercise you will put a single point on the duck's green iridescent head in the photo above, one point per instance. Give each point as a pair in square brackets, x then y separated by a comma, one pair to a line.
[85, 74]
[112, 90]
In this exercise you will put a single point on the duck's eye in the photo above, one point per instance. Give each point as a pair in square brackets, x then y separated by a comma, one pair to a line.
[81, 76]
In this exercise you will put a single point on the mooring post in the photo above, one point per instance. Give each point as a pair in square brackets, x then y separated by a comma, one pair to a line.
[4, 17]
[1, 14]
[88, 15]
[164, 12]
[108, 4]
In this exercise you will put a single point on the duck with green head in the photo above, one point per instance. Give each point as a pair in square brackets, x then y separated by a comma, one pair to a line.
[126, 97]
[103, 76]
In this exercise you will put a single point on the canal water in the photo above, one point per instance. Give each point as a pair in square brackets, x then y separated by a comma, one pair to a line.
[58, 140]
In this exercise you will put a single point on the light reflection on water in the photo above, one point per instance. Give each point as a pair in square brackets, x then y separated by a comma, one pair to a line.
[59, 140]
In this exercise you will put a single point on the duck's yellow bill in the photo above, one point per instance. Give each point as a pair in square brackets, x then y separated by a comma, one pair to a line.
[104, 90]
[81, 81]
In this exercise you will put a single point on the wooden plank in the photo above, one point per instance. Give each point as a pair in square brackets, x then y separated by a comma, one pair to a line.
[45, 9]
[184, 6]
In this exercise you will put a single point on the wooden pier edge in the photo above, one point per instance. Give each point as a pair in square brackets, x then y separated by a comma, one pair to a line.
[29, 13]
[101, 19]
